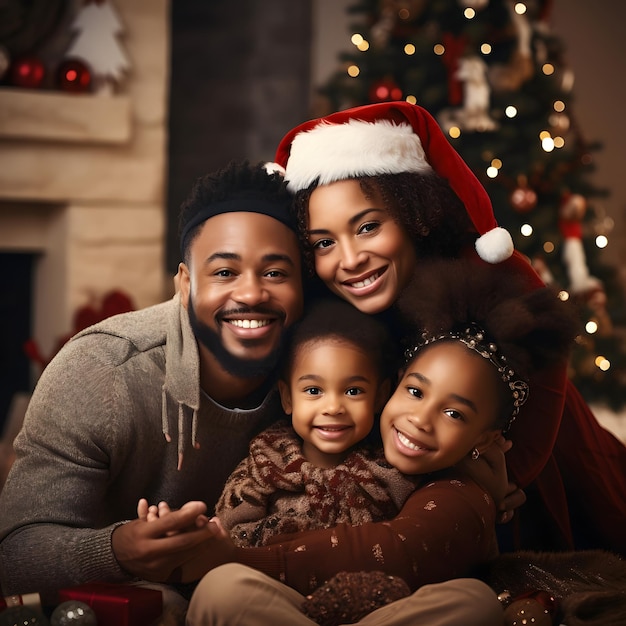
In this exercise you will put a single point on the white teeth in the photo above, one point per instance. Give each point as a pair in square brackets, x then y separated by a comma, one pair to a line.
[405, 442]
[249, 323]
[366, 282]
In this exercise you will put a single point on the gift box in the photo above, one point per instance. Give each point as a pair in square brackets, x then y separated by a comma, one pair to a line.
[118, 605]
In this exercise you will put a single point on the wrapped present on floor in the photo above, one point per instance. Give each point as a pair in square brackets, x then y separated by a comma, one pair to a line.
[118, 605]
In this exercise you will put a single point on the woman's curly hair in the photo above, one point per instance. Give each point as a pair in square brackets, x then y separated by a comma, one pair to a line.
[424, 205]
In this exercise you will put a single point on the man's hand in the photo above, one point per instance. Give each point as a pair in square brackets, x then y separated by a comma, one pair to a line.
[153, 550]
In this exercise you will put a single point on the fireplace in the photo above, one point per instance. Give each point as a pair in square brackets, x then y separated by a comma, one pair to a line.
[82, 202]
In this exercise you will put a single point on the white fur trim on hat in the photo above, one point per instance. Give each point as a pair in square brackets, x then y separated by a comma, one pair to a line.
[495, 245]
[331, 152]
[272, 167]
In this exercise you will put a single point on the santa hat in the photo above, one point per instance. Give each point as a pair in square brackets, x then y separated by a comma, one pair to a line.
[388, 138]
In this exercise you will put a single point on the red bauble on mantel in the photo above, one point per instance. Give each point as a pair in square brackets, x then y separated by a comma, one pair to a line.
[27, 72]
[74, 75]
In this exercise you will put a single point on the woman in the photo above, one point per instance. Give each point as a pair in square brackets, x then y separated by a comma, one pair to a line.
[379, 187]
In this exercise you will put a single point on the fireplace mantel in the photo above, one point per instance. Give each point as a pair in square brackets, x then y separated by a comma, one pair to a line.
[28, 114]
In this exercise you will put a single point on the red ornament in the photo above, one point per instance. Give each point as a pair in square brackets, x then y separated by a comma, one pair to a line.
[27, 72]
[384, 91]
[74, 75]
[523, 199]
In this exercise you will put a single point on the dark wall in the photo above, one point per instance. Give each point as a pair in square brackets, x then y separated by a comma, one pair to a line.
[240, 76]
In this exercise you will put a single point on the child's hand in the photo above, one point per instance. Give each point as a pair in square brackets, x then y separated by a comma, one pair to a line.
[153, 512]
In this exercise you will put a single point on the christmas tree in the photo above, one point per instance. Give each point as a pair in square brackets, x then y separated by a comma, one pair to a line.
[495, 76]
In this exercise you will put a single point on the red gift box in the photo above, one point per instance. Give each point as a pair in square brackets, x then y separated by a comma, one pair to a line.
[118, 605]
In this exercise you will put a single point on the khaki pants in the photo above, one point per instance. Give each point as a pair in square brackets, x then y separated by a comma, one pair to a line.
[236, 595]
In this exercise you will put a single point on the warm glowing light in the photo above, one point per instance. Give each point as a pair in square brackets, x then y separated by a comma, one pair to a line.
[496, 163]
[548, 247]
[547, 144]
[404, 14]
[526, 230]
[439, 49]
[563, 295]
[510, 111]
[602, 241]
[469, 13]
[548, 69]
[454, 132]
[520, 8]
[354, 71]
[357, 39]
[492, 172]
[409, 49]
[411, 99]
[559, 142]
[602, 362]
[485, 48]
[364, 45]
[591, 327]
[544, 134]
[559, 106]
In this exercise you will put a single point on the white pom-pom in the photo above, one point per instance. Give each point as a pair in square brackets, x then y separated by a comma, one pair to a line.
[495, 245]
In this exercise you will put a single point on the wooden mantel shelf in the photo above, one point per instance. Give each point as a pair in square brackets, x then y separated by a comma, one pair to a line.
[61, 117]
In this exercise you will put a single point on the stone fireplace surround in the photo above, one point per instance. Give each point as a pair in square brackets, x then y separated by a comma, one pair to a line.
[82, 180]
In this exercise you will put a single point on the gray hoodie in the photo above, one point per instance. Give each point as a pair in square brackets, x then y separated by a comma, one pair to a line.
[116, 416]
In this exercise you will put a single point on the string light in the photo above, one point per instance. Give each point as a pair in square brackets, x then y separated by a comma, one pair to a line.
[354, 71]
[469, 13]
[602, 241]
[454, 132]
[409, 49]
[591, 327]
[520, 8]
[526, 230]
[548, 247]
[602, 363]
[485, 48]
[559, 106]
[439, 49]
[563, 295]
[411, 99]
[510, 111]
[547, 69]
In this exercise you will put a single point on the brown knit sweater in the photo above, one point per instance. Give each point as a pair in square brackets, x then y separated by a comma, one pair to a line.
[275, 490]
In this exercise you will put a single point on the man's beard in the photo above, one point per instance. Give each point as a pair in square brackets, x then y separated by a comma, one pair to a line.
[234, 365]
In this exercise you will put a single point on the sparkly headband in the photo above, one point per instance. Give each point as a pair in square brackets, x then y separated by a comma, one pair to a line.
[474, 338]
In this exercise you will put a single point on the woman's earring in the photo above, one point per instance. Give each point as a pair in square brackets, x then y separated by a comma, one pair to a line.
[475, 454]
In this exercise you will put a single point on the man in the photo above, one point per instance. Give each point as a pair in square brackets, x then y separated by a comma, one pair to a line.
[159, 403]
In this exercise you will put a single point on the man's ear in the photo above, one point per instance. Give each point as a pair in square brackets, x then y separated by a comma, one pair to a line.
[486, 439]
[285, 396]
[382, 395]
[182, 282]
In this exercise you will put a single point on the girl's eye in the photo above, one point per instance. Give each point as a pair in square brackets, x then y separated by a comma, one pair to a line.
[313, 391]
[354, 391]
[454, 414]
[322, 244]
[416, 392]
[368, 227]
